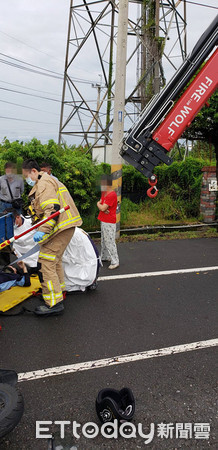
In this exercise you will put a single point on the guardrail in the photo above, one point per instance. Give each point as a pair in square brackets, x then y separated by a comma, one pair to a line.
[163, 228]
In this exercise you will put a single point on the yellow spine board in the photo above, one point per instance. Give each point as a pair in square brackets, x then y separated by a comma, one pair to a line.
[17, 294]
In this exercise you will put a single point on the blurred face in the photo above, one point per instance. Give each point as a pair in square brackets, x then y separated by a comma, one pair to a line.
[18, 221]
[9, 172]
[106, 185]
[46, 169]
[103, 186]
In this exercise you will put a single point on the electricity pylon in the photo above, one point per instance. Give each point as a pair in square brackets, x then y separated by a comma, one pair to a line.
[156, 46]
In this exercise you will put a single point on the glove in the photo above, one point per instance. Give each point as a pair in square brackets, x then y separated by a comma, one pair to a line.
[38, 236]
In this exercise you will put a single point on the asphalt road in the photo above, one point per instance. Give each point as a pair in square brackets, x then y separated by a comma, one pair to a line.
[123, 317]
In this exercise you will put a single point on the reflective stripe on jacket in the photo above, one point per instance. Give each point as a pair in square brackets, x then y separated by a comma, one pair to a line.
[49, 195]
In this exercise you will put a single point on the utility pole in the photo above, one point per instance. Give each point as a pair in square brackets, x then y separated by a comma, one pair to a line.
[110, 74]
[119, 104]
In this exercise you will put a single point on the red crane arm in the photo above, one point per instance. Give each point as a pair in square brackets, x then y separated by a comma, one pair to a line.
[190, 103]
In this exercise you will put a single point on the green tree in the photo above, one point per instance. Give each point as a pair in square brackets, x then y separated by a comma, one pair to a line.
[205, 125]
[71, 165]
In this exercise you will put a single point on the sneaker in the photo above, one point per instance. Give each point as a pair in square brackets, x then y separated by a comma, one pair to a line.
[45, 310]
[113, 266]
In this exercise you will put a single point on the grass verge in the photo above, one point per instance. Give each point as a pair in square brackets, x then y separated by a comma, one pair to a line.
[208, 233]
[161, 211]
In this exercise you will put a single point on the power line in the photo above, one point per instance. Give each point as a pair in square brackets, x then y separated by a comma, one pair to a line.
[34, 48]
[52, 73]
[32, 65]
[29, 107]
[25, 120]
[31, 95]
[31, 89]
[30, 46]
[17, 66]
[38, 96]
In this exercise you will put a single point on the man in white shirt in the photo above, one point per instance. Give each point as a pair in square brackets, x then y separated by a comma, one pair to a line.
[25, 243]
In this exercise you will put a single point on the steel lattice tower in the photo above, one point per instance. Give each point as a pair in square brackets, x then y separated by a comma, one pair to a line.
[156, 46]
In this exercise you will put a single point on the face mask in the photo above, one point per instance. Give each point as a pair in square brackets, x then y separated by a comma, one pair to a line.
[10, 175]
[103, 188]
[30, 181]
[15, 226]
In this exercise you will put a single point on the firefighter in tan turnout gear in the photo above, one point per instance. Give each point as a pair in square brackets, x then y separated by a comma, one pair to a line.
[47, 196]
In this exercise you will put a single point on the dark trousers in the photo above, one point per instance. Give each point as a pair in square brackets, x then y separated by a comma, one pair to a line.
[35, 271]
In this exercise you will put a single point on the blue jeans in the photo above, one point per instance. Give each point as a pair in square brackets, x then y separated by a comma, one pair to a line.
[6, 205]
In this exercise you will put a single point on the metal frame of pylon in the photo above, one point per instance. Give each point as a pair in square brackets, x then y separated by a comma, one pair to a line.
[91, 50]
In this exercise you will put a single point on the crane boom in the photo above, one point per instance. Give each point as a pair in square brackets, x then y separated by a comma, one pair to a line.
[164, 119]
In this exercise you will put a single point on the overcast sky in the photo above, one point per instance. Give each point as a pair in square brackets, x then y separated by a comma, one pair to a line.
[36, 32]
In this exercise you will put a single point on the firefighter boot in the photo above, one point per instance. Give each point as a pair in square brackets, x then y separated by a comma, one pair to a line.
[44, 310]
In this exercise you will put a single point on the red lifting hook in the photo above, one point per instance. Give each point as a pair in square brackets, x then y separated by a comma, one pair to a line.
[152, 181]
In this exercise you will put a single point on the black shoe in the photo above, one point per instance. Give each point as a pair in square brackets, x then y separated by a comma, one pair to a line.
[93, 286]
[44, 310]
[75, 292]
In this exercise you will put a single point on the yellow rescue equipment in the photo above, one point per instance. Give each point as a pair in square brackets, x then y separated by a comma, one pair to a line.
[17, 294]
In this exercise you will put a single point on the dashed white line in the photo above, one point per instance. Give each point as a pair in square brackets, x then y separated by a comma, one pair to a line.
[101, 363]
[158, 273]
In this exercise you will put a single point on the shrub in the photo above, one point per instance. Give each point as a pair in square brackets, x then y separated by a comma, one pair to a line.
[71, 166]
[127, 206]
[179, 184]
[166, 207]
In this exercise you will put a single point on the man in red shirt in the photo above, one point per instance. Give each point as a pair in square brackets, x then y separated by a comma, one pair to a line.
[107, 216]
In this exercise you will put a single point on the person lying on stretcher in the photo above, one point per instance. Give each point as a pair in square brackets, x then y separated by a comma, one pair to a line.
[10, 277]
[25, 243]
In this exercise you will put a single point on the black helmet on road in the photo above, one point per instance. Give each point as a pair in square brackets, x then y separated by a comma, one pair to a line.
[112, 404]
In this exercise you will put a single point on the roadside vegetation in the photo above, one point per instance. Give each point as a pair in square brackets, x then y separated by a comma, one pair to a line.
[160, 236]
[178, 200]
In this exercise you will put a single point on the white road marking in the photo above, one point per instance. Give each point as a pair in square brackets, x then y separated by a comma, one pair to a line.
[79, 367]
[156, 274]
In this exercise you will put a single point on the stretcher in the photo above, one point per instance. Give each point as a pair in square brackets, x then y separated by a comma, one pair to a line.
[17, 294]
